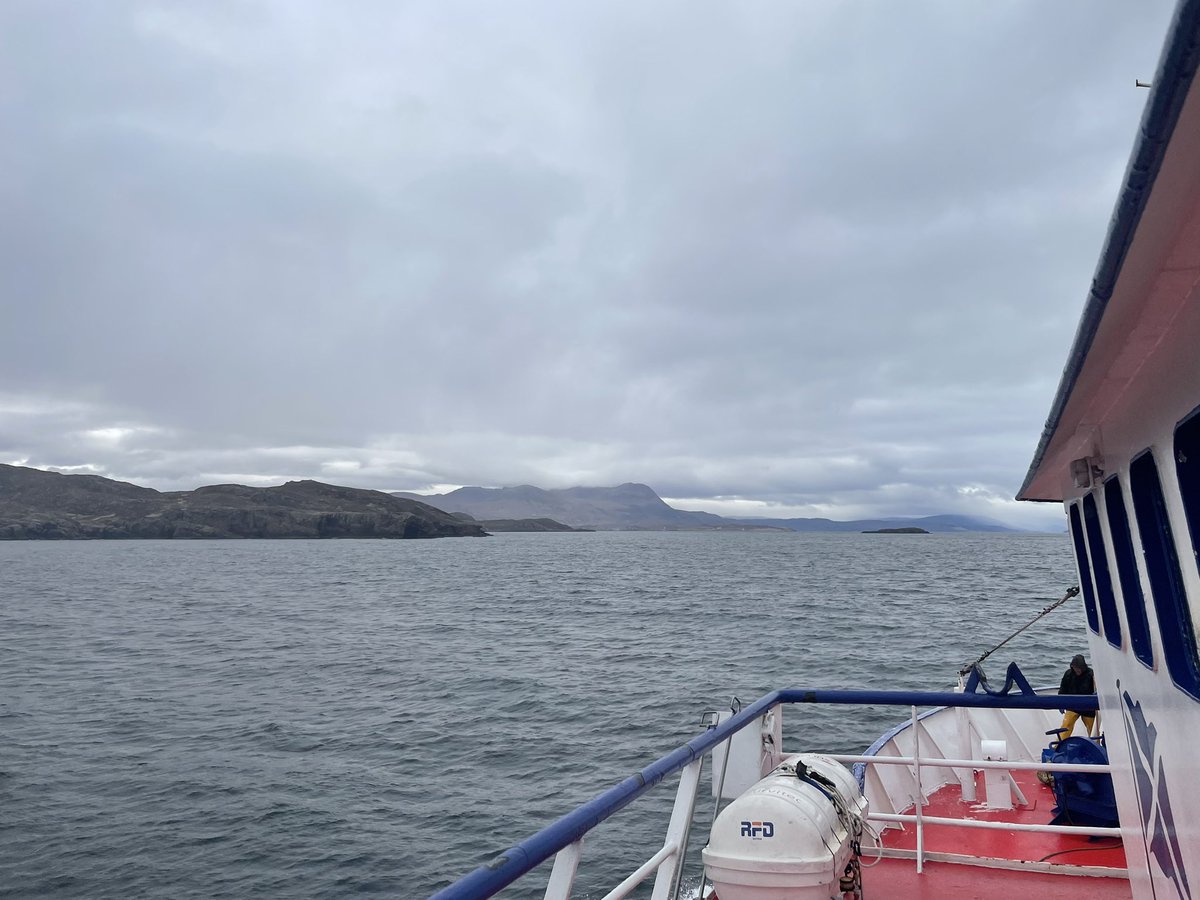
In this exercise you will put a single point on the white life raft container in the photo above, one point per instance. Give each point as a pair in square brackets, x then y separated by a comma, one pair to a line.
[789, 836]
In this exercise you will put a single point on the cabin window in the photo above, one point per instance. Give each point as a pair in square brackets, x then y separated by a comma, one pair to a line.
[1166, 581]
[1105, 597]
[1085, 572]
[1187, 467]
[1127, 573]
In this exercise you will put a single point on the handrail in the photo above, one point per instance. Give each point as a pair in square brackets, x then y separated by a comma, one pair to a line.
[520, 858]
[948, 763]
[514, 862]
[921, 820]
[1088, 830]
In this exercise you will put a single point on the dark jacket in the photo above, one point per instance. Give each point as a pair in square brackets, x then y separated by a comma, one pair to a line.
[1083, 683]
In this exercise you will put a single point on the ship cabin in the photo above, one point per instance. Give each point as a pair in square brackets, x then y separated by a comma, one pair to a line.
[1121, 451]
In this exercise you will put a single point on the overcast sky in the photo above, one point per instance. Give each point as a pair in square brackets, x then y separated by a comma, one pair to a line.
[794, 258]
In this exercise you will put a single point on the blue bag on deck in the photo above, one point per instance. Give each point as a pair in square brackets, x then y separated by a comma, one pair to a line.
[1082, 798]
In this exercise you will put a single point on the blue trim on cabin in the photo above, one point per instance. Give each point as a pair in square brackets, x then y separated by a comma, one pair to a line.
[1084, 566]
[514, 862]
[1176, 70]
[1105, 598]
[1187, 472]
[1167, 591]
[1127, 573]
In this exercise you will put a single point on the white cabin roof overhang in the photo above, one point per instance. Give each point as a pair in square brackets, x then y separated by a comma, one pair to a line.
[1135, 363]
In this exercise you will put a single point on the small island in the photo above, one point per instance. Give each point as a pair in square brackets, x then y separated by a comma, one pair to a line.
[911, 529]
[527, 525]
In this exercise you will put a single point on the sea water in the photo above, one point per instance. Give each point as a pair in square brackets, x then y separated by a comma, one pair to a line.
[325, 718]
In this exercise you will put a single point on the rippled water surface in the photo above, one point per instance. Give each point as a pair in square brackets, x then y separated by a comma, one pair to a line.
[325, 718]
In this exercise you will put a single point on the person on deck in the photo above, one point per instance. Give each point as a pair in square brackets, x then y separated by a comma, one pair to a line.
[1078, 679]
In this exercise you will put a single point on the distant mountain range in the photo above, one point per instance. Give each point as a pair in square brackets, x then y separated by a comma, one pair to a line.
[36, 504]
[49, 506]
[636, 507]
[633, 507]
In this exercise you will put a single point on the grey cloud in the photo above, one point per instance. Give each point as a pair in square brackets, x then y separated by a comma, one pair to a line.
[821, 254]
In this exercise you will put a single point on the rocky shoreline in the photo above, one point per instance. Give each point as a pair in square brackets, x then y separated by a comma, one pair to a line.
[38, 505]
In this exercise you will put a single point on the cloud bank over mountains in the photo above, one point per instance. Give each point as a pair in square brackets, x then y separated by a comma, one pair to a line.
[793, 259]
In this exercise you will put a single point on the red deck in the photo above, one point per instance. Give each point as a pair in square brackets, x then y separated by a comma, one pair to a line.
[898, 878]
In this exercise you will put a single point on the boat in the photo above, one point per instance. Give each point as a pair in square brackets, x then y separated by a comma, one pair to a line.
[977, 792]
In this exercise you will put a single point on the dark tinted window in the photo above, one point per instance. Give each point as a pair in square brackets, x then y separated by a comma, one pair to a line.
[1085, 572]
[1105, 597]
[1166, 582]
[1127, 573]
[1187, 466]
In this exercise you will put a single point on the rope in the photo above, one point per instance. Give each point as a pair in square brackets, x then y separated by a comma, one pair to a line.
[1072, 591]
[850, 820]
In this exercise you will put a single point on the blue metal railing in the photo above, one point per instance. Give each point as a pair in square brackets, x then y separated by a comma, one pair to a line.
[514, 862]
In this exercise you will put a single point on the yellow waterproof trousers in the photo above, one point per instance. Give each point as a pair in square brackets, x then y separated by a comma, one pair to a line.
[1068, 722]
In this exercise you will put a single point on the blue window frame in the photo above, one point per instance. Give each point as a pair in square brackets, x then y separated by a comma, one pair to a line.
[1105, 597]
[1085, 570]
[1127, 573]
[1187, 468]
[1166, 581]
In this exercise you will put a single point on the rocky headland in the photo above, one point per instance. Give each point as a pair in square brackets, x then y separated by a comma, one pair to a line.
[38, 505]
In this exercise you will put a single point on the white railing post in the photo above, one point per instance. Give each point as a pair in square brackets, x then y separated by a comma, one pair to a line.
[920, 791]
[669, 872]
[963, 720]
[562, 876]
